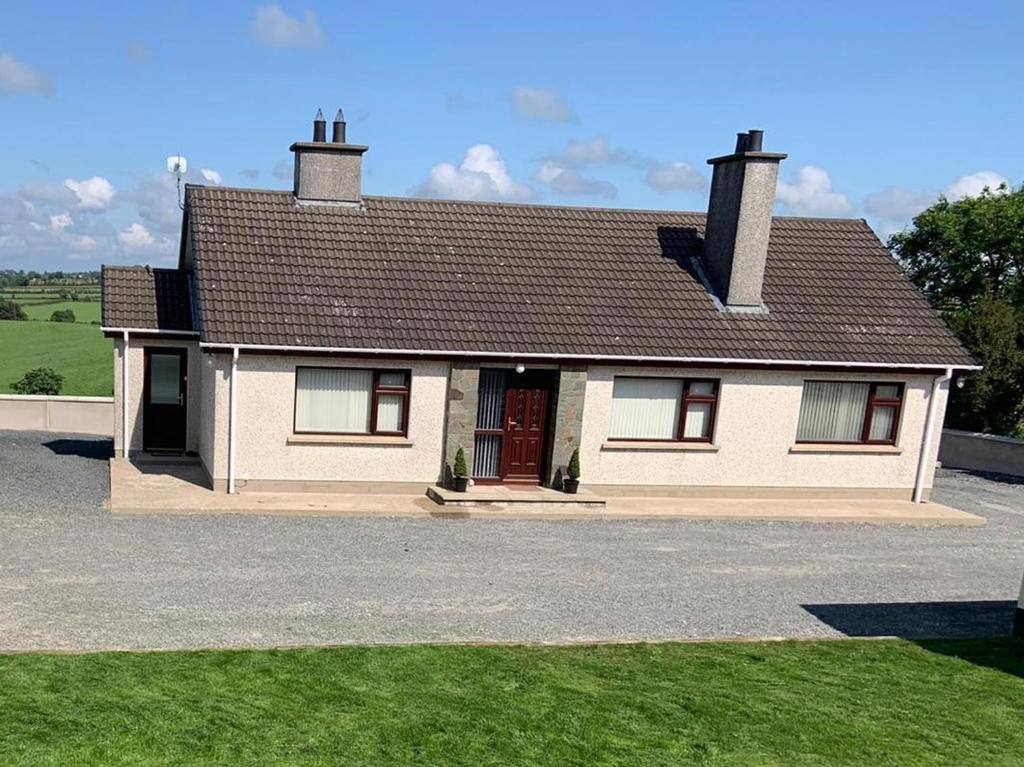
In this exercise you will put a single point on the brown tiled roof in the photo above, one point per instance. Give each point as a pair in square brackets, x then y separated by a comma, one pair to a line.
[410, 274]
[145, 298]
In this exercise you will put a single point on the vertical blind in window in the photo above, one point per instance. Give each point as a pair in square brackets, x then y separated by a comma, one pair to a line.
[833, 411]
[335, 400]
[645, 408]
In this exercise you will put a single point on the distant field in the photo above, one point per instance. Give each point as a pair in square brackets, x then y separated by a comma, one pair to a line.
[85, 311]
[40, 301]
[78, 352]
[44, 294]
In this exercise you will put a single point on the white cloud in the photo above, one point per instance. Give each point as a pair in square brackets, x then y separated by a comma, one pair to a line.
[571, 181]
[18, 77]
[80, 241]
[810, 193]
[61, 221]
[480, 176]
[542, 103]
[972, 185]
[136, 236]
[272, 27]
[895, 203]
[211, 176]
[674, 176]
[598, 151]
[156, 199]
[94, 193]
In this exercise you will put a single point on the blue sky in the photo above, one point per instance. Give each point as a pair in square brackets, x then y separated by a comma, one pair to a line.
[881, 106]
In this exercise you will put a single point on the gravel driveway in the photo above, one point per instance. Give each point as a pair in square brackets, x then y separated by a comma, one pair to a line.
[74, 577]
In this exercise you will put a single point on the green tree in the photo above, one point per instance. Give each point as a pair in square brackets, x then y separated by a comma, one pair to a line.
[39, 381]
[11, 311]
[62, 315]
[967, 257]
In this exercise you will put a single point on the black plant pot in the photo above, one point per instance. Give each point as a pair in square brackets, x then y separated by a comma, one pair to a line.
[570, 485]
[461, 483]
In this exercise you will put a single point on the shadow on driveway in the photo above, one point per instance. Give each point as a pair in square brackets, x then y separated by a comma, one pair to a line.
[919, 620]
[99, 449]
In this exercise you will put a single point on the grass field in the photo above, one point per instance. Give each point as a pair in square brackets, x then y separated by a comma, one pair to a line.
[886, 702]
[85, 311]
[39, 302]
[78, 352]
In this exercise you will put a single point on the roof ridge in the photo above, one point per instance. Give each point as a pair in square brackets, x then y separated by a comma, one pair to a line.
[527, 205]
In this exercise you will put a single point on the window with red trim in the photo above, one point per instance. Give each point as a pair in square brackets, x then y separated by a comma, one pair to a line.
[333, 400]
[663, 409]
[850, 412]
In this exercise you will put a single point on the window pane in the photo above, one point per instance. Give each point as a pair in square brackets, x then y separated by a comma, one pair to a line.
[645, 408]
[702, 388]
[882, 420]
[832, 412]
[164, 379]
[389, 412]
[490, 409]
[487, 455]
[887, 391]
[333, 400]
[698, 420]
[392, 379]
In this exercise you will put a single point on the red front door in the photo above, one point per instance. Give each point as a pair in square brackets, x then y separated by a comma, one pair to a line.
[522, 452]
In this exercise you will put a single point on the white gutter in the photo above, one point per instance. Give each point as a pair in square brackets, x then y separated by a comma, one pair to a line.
[232, 410]
[125, 438]
[150, 331]
[599, 357]
[929, 432]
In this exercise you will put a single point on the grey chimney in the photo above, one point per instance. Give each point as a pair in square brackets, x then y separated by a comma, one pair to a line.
[739, 222]
[328, 173]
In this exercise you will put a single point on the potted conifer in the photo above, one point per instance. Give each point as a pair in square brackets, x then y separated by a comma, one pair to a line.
[460, 473]
[571, 481]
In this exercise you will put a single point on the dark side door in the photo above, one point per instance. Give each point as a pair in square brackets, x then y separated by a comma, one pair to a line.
[526, 415]
[164, 401]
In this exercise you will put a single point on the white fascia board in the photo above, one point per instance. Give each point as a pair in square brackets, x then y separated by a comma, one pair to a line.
[150, 331]
[709, 361]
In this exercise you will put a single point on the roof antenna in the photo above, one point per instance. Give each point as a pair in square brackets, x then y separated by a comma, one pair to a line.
[178, 165]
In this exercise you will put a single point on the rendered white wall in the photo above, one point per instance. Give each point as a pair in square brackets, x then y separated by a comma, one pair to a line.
[754, 431]
[266, 400]
[136, 371]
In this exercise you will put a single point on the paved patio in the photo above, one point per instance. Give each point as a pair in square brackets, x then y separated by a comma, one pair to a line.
[181, 489]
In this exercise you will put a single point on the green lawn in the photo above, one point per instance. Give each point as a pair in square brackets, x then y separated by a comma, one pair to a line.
[78, 352]
[85, 311]
[823, 703]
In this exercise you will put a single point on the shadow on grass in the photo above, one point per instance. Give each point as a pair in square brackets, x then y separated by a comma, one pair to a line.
[99, 449]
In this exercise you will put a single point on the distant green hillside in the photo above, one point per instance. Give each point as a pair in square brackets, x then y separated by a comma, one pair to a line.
[78, 352]
[85, 311]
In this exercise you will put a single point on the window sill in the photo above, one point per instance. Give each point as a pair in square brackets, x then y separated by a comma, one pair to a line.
[348, 439]
[855, 449]
[672, 447]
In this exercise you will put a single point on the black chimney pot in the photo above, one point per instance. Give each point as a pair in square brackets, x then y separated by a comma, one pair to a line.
[742, 142]
[338, 135]
[319, 126]
[756, 138]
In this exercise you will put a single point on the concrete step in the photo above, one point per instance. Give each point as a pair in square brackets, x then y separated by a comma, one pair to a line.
[515, 499]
